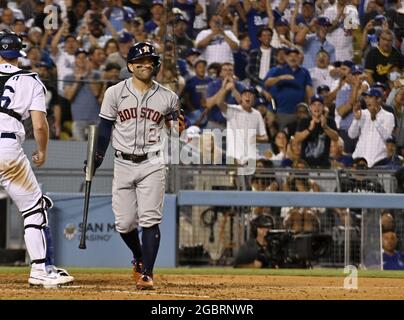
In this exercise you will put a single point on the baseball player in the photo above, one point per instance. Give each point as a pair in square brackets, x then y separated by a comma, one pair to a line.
[135, 110]
[22, 94]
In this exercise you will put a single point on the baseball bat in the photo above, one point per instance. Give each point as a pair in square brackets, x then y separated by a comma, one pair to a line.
[92, 137]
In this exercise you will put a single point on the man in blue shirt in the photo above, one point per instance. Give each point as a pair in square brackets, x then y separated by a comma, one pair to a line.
[289, 85]
[215, 117]
[195, 94]
[157, 11]
[257, 18]
[314, 42]
[308, 13]
[392, 259]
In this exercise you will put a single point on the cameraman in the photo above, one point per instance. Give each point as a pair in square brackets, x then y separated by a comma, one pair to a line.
[254, 253]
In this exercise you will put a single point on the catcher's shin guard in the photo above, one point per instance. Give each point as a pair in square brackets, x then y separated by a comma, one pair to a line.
[35, 220]
[37, 234]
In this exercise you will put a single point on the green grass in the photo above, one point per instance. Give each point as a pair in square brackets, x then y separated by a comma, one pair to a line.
[230, 271]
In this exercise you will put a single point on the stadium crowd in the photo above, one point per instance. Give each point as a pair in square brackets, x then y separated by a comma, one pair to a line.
[326, 75]
[321, 80]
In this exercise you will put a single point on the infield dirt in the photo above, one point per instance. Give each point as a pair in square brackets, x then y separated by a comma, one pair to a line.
[99, 286]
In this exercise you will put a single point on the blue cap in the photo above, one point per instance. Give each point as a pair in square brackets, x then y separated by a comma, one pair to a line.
[157, 2]
[192, 51]
[250, 89]
[317, 97]
[324, 21]
[373, 92]
[356, 69]
[379, 85]
[260, 101]
[125, 37]
[322, 88]
[347, 63]
[281, 22]
[292, 50]
[310, 2]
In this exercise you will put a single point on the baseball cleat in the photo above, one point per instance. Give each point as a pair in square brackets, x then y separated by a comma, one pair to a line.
[137, 270]
[50, 279]
[145, 283]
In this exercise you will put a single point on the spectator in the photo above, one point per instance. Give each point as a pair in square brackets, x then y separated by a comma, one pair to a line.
[140, 7]
[383, 59]
[348, 91]
[63, 56]
[387, 221]
[289, 85]
[338, 158]
[279, 147]
[111, 46]
[320, 74]
[226, 77]
[396, 99]
[282, 34]
[393, 161]
[257, 18]
[83, 91]
[19, 26]
[53, 108]
[315, 42]
[217, 44]
[157, 11]
[308, 13]
[7, 19]
[255, 252]
[191, 9]
[195, 94]
[293, 153]
[97, 58]
[183, 41]
[241, 57]
[118, 14]
[392, 259]
[302, 111]
[92, 33]
[110, 76]
[316, 133]
[186, 67]
[373, 127]
[168, 77]
[360, 182]
[214, 70]
[340, 38]
[261, 59]
[125, 42]
[271, 125]
[137, 29]
[245, 125]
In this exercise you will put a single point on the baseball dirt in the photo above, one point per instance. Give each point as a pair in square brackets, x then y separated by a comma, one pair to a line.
[120, 286]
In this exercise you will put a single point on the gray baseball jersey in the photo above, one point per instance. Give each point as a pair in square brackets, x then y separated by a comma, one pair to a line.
[138, 118]
[138, 188]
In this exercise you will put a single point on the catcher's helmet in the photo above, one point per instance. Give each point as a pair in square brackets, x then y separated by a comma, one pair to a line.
[11, 45]
[142, 50]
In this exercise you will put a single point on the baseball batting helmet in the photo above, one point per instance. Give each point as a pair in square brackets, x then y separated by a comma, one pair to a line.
[144, 50]
[11, 45]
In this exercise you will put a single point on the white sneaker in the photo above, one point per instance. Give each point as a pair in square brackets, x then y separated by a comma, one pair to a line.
[48, 279]
[62, 273]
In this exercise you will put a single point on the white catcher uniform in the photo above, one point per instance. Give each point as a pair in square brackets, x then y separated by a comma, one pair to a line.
[139, 181]
[24, 92]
